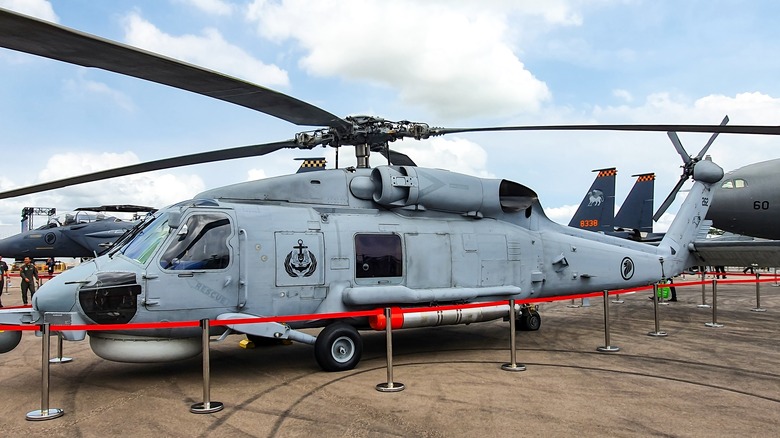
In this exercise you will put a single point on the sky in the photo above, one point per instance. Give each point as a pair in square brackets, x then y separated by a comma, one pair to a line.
[452, 63]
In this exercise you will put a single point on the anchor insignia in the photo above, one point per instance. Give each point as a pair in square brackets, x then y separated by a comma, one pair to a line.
[300, 263]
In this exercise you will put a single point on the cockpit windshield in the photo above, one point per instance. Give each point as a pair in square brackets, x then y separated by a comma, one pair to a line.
[145, 243]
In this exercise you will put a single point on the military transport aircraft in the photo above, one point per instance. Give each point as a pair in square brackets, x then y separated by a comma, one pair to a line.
[745, 203]
[336, 240]
[79, 235]
[748, 201]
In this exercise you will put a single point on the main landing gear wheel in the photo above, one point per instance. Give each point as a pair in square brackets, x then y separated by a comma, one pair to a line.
[338, 347]
[529, 320]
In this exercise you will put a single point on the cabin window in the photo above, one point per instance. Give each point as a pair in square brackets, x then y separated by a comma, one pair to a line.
[737, 183]
[378, 255]
[200, 243]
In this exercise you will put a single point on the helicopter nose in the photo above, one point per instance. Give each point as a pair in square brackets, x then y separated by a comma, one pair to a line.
[60, 293]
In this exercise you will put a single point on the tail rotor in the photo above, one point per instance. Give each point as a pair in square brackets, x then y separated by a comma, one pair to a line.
[689, 164]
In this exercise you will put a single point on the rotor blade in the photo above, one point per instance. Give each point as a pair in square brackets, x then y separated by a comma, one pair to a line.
[396, 158]
[37, 37]
[712, 139]
[166, 163]
[732, 129]
[120, 208]
[669, 199]
[679, 147]
[399, 159]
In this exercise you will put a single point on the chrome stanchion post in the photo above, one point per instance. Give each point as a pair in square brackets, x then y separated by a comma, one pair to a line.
[775, 284]
[703, 304]
[714, 322]
[573, 305]
[657, 333]
[60, 358]
[607, 348]
[389, 386]
[617, 300]
[758, 295]
[45, 413]
[208, 406]
[513, 366]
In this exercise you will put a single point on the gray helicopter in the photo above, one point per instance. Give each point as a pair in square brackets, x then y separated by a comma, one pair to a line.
[335, 240]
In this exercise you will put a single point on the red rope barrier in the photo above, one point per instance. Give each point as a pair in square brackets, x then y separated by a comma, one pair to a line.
[362, 313]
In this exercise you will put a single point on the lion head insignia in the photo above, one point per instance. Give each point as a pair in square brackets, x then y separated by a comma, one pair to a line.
[627, 268]
[300, 262]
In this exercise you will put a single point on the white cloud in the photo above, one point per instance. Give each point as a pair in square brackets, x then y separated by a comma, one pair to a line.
[457, 59]
[209, 50]
[255, 174]
[214, 7]
[453, 153]
[623, 95]
[100, 90]
[155, 189]
[36, 8]
[562, 214]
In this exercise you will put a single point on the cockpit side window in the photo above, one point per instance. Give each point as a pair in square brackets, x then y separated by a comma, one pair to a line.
[201, 243]
[737, 183]
[378, 255]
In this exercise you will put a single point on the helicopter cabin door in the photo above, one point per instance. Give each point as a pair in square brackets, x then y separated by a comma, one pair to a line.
[198, 265]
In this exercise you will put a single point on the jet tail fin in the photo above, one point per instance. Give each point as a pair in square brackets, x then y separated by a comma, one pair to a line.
[637, 210]
[596, 210]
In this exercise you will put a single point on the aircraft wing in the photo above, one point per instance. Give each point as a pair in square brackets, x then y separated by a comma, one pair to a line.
[759, 252]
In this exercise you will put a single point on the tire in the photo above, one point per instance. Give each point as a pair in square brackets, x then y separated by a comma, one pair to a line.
[338, 347]
[529, 321]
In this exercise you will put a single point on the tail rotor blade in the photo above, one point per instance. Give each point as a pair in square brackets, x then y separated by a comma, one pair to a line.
[712, 139]
[678, 145]
[670, 199]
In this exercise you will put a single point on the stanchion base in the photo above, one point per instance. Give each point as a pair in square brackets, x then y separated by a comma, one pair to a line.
[618, 301]
[387, 387]
[658, 334]
[758, 309]
[48, 414]
[573, 306]
[663, 303]
[713, 324]
[513, 367]
[206, 408]
[60, 359]
[608, 349]
[703, 306]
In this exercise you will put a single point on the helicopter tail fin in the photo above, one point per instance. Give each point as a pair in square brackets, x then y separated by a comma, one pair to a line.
[689, 221]
[596, 210]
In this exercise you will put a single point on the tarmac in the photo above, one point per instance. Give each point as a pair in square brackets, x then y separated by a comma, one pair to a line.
[698, 381]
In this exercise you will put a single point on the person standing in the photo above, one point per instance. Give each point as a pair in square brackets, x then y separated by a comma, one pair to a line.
[3, 270]
[50, 267]
[3, 275]
[27, 273]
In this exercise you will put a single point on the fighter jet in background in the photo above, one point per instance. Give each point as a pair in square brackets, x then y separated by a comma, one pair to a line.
[87, 232]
